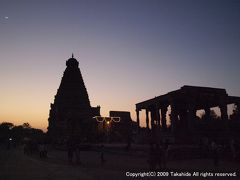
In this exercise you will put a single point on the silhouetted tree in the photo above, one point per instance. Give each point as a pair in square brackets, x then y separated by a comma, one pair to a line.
[234, 122]
[214, 123]
[235, 116]
[6, 125]
[18, 133]
[5, 131]
[26, 125]
[213, 115]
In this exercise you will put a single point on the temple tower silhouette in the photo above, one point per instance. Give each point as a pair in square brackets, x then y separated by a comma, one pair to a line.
[71, 115]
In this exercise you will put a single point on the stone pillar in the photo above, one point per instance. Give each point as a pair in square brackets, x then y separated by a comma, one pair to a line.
[138, 121]
[238, 105]
[153, 126]
[173, 117]
[152, 118]
[147, 119]
[164, 121]
[158, 117]
[224, 114]
[207, 113]
[183, 118]
[191, 117]
[238, 109]
[223, 109]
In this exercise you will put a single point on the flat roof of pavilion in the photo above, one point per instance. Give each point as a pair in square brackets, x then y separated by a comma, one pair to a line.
[201, 94]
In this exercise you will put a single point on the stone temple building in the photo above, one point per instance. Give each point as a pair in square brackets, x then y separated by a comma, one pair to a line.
[71, 115]
[183, 104]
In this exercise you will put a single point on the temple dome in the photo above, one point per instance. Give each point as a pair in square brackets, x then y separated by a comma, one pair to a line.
[72, 62]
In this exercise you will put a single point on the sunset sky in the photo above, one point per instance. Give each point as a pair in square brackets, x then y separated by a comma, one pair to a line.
[128, 51]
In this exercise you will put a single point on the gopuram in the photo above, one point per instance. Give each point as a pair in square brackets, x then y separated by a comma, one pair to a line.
[183, 105]
[71, 115]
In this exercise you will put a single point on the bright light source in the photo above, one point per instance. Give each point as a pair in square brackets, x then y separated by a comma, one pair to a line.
[99, 118]
[107, 119]
[10, 139]
[116, 119]
[108, 122]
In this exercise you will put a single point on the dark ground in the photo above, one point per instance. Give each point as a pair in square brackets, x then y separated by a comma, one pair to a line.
[14, 165]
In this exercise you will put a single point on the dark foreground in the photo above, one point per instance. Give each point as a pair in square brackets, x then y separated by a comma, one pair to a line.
[14, 165]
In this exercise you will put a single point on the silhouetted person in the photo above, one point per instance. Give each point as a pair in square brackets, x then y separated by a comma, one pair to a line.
[25, 150]
[237, 144]
[158, 156]
[233, 149]
[204, 145]
[165, 153]
[129, 140]
[77, 153]
[102, 152]
[215, 153]
[45, 151]
[151, 159]
[9, 144]
[70, 148]
[41, 150]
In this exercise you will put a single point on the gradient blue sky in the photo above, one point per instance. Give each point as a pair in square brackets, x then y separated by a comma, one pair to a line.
[128, 50]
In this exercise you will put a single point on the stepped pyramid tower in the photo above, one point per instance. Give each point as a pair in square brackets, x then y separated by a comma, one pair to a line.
[71, 115]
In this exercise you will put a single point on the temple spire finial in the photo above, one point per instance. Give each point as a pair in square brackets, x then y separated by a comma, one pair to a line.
[72, 55]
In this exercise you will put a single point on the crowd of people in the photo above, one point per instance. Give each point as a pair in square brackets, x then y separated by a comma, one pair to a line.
[160, 153]
[158, 156]
[74, 152]
[31, 147]
[217, 150]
